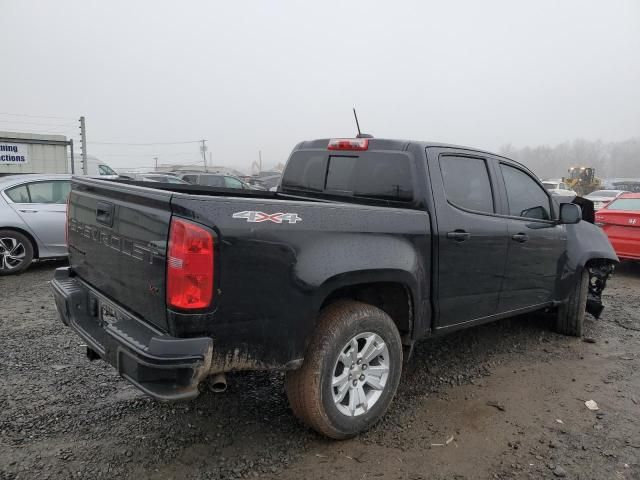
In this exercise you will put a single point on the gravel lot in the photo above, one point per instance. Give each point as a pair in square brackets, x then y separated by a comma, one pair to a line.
[499, 401]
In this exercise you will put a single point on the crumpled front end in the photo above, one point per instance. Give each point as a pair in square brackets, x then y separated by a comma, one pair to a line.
[599, 273]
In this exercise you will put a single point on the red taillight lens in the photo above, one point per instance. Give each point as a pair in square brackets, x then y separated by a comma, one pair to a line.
[189, 266]
[348, 144]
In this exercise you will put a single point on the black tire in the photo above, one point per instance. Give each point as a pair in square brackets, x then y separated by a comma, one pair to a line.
[309, 388]
[22, 248]
[570, 320]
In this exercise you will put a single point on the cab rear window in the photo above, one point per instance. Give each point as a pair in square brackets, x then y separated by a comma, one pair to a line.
[376, 175]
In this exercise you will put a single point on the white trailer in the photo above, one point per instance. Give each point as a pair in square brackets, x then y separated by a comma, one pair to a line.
[33, 153]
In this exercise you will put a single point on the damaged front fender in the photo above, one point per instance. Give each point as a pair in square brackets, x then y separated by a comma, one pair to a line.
[599, 273]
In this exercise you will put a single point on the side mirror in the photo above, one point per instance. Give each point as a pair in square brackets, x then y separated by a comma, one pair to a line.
[570, 213]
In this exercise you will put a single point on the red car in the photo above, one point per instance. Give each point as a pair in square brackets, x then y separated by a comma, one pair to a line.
[620, 220]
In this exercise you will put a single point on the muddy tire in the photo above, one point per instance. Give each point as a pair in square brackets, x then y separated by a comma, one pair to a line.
[570, 320]
[16, 252]
[350, 373]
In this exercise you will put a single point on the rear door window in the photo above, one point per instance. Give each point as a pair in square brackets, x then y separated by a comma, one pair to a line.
[49, 192]
[526, 198]
[466, 183]
[41, 192]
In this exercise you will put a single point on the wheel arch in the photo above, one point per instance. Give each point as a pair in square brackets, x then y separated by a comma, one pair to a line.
[393, 291]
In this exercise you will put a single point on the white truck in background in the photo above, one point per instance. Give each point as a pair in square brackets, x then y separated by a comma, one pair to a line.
[35, 153]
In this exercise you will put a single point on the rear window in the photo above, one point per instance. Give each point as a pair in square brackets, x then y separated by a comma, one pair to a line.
[628, 204]
[373, 175]
[305, 171]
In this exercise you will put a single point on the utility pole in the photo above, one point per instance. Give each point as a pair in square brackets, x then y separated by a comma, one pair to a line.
[203, 149]
[156, 161]
[83, 145]
[73, 160]
[260, 160]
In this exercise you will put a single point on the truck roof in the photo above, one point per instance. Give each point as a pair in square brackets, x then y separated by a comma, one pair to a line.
[397, 144]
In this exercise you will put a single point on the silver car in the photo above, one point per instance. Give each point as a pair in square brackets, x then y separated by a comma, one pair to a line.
[32, 219]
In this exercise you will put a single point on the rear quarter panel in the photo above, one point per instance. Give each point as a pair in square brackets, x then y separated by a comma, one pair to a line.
[274, 277]
[9, 219]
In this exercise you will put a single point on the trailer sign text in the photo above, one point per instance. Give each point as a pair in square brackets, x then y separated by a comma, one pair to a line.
[13, 153]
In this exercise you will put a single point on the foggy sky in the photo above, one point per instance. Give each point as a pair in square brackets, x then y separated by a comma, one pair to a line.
[265, 75]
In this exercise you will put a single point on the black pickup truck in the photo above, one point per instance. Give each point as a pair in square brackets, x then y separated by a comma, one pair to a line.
[366, 246]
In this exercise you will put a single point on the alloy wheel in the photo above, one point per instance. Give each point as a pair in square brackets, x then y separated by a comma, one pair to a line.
[12, 253]
[360, 374]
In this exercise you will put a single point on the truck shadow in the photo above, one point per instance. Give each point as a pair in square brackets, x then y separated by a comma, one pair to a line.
[628, 268]
[251, 428]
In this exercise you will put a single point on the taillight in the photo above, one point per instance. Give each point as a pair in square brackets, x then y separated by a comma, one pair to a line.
[189, 265]
[348, 144]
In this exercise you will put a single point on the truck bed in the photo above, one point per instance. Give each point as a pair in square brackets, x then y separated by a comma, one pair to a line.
[276, 260]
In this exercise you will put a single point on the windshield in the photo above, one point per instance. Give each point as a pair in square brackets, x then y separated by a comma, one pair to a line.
[627, 204]
[550, 185]
[603, 193]
[106, 170]
[163, 178]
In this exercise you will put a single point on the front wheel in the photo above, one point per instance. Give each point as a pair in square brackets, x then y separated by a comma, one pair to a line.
[350, 372]
[570, 320]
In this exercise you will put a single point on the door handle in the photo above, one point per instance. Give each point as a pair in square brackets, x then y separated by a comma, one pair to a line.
[458, 235]
[27, 210]
[520, 237]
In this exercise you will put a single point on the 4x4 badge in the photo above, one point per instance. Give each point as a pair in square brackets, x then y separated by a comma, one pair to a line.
[258, 217]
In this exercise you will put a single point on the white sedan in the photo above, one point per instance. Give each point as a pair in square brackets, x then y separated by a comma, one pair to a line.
[558, 188]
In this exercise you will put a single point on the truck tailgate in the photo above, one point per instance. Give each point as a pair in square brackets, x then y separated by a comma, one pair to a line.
[117, 237]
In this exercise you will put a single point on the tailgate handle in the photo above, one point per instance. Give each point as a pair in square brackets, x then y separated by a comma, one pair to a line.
[104, 213]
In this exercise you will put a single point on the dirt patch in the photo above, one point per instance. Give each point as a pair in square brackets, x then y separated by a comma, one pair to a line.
[62, 416]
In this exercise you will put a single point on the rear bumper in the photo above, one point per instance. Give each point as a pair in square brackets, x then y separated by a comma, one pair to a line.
[164, 367]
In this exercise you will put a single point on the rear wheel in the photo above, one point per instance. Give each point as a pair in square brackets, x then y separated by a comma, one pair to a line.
[570, 320]
[16, 252]
[350, 373]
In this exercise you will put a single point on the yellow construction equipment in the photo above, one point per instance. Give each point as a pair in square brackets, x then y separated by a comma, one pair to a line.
[582, 180]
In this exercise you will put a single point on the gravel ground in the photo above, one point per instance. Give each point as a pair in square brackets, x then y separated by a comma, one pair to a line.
[504, 400]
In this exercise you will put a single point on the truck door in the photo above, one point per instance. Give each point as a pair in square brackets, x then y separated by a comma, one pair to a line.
[536, 242]
[471, 238]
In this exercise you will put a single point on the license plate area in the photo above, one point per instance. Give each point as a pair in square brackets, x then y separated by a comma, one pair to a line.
[110, 314]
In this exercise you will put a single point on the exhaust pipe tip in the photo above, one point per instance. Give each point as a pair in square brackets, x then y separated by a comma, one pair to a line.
[218, 383]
